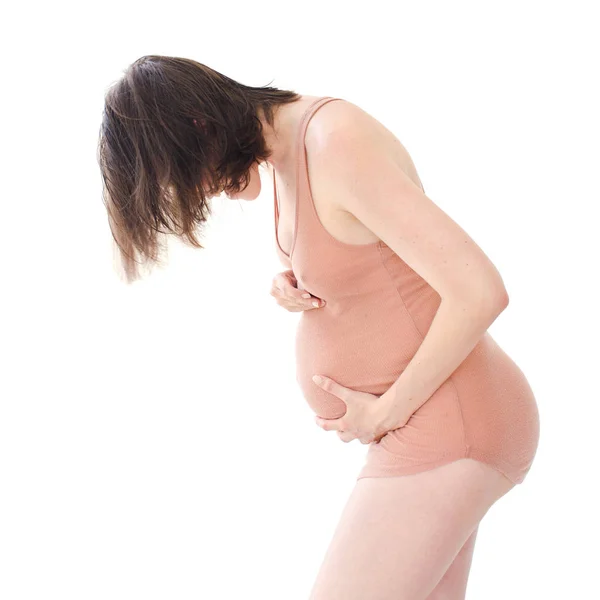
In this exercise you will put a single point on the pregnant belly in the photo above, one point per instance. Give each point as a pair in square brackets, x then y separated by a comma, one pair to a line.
[365, 348]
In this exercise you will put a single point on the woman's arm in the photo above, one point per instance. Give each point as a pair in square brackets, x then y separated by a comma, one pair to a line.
[366, 182]
[454, 332]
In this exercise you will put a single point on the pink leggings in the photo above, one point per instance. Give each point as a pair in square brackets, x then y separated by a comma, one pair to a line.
[409, 537]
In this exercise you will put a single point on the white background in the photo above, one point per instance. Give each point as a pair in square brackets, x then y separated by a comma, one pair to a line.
[153, 441]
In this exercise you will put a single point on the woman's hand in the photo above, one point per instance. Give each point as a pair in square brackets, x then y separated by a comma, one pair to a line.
[285, 290]
[367, 416]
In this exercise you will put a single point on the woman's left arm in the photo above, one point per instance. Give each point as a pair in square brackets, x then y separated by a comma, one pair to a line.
[369, 185]
[455, 330]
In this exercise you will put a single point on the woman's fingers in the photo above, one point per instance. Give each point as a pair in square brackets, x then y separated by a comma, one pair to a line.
[346, 436]
[290, 290]
[285, 290]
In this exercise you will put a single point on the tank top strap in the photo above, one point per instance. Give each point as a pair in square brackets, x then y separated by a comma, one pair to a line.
[302, 182]
[305, 210]
[301, 159]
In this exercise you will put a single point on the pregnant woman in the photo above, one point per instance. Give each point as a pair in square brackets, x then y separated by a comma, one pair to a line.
[395, 297]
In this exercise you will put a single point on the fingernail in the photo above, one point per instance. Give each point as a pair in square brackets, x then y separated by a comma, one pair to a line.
[306, 295]
[315, 303]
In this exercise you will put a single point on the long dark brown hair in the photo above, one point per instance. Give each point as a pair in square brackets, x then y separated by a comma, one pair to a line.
[174, 134]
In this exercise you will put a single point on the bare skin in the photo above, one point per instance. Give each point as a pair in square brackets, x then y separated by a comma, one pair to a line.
[280, 138]
[410, 537]
[340, 223]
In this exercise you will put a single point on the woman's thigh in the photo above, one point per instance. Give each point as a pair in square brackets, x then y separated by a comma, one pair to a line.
[397, 536]
[453, 584]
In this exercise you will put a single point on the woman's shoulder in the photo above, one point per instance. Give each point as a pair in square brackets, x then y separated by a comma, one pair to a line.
[343, 124]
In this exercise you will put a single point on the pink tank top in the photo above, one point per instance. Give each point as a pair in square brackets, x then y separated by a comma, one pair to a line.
[377, 314]
[377, 308]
